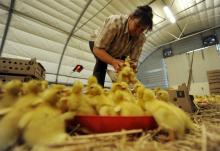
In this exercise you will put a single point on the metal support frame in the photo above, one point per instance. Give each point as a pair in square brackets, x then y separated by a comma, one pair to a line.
[23, 15]
[178, 26]
[70, 35]
[172, 3]
[188, 36]
[10, 13]
[151, 2]
[182, 19]
[171, 34]
[182, 32]
[182, 11]
[192, 34]
[55, 28]
[93, 16]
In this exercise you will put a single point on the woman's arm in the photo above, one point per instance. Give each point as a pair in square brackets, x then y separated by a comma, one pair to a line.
[105, 57]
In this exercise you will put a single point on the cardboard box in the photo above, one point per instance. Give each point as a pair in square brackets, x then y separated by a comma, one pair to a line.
[182, 99]
[214, 86]
[22, 67]
[212, 72]
[214, 81]
[6, 78]
[215, 91]
[213, 76]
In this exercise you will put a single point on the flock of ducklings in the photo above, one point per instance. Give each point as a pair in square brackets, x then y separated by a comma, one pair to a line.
[203, 101]
[37, 112]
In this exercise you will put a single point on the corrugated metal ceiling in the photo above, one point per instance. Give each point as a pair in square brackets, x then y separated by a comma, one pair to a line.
[40, 29]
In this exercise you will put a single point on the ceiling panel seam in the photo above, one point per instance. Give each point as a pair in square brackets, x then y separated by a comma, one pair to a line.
[181, 18]
[46, 39]
[92, 16]
[181, 11]
[60, 12]
[79, 7]
[43, 10]
[54, 17]
[88, 61]
[70, 35]
[37, 20]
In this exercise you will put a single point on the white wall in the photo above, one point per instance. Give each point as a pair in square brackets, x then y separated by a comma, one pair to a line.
[178, 69]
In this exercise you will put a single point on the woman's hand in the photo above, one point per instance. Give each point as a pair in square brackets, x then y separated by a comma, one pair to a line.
[133, 65]
[117, 64]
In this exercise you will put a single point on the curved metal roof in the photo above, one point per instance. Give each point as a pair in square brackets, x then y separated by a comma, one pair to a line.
[56, 32]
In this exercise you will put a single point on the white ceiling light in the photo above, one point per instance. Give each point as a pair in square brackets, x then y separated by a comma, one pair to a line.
[169, 14]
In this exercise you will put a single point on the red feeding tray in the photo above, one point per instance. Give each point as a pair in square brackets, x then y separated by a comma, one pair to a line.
[102, 124]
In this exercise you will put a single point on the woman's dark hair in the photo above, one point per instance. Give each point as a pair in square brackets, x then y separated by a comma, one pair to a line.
[145, 14]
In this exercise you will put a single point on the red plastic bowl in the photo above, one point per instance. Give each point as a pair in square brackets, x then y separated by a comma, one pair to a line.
[102, 124]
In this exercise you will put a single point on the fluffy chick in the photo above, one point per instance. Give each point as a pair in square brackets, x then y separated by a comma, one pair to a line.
[123, 87]
[125, 107]
[72, 101]
[52, 94]
[107, 110]
[11, 93]
[32, 87]
[96, 96]
[44, 84]
[166, 118]
[126, 75]
[139, 95]
[92, 80]
[9, 131]
[77, 101]
[106, 92]
[44, 125]
[135, 90]
[162, 95]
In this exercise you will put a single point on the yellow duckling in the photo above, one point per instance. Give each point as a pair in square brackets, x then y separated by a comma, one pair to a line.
[165, 116]
[140, 101]
[44, 84]
[9, 131]
[9, 97]
[77, 101]
[48, 115]
[96, 96]
[122, 86]
[44, 125]
[53, 94]
[108, 110]
[135, 90]
[92, 80]
[106, 92]
[71, 102]
[126, 75]
[125, 107]
[162, 95]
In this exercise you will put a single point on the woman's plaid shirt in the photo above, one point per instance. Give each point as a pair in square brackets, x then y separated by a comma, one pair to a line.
[114, 38]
